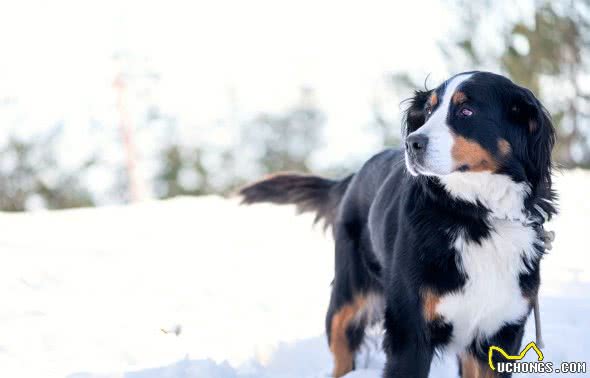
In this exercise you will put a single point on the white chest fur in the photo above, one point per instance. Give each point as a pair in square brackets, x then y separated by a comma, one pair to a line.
[491, 296]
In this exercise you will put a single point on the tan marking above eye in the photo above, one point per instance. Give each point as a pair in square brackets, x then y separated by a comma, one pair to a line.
[469, 153]
[433, 99]
[459, 98]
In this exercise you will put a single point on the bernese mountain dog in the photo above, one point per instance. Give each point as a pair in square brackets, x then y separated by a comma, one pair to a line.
[440, 241]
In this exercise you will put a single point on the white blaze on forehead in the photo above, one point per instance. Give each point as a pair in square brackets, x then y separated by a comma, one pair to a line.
[439, 116]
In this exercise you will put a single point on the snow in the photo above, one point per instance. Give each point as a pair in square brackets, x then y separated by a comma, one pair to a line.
[89, 293]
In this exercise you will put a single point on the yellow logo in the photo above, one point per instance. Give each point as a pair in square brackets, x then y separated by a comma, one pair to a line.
[519, 357]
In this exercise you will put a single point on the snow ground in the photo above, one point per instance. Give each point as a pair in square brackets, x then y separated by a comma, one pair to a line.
[86, 293]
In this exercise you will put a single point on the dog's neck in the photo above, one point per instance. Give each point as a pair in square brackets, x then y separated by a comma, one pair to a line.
[504, 198]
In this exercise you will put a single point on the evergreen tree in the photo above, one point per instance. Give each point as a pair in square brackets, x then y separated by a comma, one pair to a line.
[31, 176]
[285, 142]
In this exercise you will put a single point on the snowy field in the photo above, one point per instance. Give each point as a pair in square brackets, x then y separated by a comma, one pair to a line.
[202, 287]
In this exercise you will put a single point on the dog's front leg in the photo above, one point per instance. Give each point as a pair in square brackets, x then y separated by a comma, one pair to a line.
[407, 346]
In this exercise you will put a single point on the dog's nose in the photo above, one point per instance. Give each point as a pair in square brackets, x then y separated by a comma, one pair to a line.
[416, 143]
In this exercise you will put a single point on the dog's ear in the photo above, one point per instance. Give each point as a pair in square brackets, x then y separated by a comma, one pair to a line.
[528, 112]
[415, 114]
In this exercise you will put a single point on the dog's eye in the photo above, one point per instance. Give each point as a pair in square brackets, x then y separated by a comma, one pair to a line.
[466, 112]
[428, 109]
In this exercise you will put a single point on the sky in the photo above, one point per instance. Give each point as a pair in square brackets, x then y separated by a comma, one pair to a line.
[58, 56]
[214, 60]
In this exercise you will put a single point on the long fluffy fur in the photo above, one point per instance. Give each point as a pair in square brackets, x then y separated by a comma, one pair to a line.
[308, 193]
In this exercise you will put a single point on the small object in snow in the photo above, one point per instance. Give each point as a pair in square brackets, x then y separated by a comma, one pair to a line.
[177, 329]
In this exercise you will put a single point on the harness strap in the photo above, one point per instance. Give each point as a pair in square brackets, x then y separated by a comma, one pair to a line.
[548, 238]
[538, 336]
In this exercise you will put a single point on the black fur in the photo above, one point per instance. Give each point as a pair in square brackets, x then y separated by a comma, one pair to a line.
[414, 116]
[309, 193]
[393, 232]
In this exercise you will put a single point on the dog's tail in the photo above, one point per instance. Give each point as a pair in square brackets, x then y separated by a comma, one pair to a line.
[308, 193]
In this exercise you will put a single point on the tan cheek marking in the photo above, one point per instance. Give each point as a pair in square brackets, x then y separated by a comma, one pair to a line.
[459, 97]
[343, 355]
[472, 154]
[429, 302]
[433, 99]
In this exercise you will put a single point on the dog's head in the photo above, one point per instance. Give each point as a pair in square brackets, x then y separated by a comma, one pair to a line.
[479, 122]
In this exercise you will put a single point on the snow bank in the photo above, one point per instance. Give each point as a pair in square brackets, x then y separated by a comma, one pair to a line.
[101, 292]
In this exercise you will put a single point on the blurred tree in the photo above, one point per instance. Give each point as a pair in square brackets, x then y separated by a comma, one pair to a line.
[31, 177]
[167, 184]
[182, 172]
[556, 46]
[273, 142]
[385, 119]
[285, 142]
